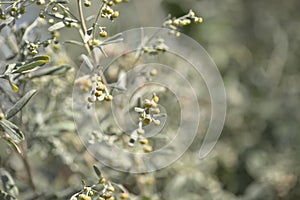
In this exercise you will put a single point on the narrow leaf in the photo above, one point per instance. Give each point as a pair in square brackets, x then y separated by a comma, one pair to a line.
[20, 104]
[83, 183]
[44, 58]
[114, 39]
[6, 22]
[97, 171]
[33, 63]
[63, 1]
[8, 184]
[13, 86]
[56, 26]
[53, 70]
[87, 61]
[13, 144]
[74, 42]
[12, 130]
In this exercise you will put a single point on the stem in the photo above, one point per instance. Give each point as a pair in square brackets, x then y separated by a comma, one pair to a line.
[82, 21]
[27, 168]
[23, 154]
[96, 21]
[83, 25]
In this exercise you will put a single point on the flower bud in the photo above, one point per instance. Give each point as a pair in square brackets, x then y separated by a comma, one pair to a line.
[124, 196]
[115, 14]
[100, 87]
[144, 141]
[103, 34]
[108, 98]
[198, 20]
[140, 131]
[156, 122]
[40, 2]
[87, 3]
[1, 116]
[98, 93]
[147, 149]
[176, 22]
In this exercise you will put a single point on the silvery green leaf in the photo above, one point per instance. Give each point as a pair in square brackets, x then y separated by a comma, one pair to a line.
[13, 144]
[117, 87]
[62, 1]
[12, 84]
[9, 68]
[12, 130]
[52, 70]
[56, 26]
[90, 18]
[33, 63]
[7, 21]
[74, 42]
[137, 109]
[7, 185]
[56, 15]
[20, 104]
[70, 20]
[114, 39]
[88, 62]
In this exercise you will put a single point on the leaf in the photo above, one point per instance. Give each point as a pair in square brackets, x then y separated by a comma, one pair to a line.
[114, 39]
[43, 58]
[33, 63]
[83, 183]
[87, 61]
[63, 1]
[13, 86]
[53, 70]
[12, 130]
[97, 171]
[20, 104]
[74, 42]
[13, 144]
[6, 196]
[7, 185]
[6, 22]
[56, 26]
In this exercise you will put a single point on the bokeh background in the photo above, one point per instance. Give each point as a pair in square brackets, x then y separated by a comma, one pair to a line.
[255, 45]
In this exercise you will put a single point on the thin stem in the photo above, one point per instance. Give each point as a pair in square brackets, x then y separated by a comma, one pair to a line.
[96, 21]
[82, 21]
[83, 25]
[28, 171]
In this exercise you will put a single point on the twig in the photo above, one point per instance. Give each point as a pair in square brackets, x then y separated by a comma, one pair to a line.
[83, 25]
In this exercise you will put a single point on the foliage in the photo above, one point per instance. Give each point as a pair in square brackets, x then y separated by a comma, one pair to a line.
[254, 44]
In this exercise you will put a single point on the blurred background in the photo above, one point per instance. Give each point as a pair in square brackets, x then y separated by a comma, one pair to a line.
[255, 45]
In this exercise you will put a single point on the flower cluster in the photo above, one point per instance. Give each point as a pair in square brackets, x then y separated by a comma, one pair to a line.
[146, 116]
[99, 91]
[102, 190]
[157, 46]
[13, 9]
[107, 10]
[174, 23]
